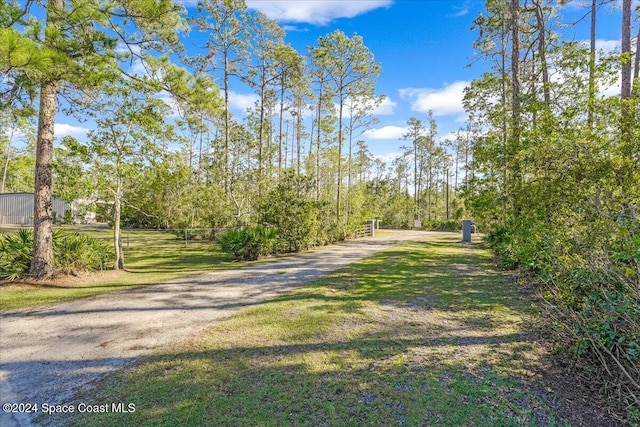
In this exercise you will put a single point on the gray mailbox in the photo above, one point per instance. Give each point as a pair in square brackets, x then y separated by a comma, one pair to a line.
[467, 226]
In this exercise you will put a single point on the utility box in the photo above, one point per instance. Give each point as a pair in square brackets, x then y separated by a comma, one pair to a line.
[467, 226]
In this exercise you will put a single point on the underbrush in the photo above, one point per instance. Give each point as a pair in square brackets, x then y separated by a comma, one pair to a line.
[590, 286]
[248, 244]
[440, 225]
[72, 252]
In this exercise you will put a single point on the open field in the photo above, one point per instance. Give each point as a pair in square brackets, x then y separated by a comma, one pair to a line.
[424, 333]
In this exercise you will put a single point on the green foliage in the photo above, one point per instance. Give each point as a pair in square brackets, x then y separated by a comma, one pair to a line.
[556, 184]
[249, 243]
[290, 209]
[15, 254]
[440, 225]
[80, 252]
[72, 252]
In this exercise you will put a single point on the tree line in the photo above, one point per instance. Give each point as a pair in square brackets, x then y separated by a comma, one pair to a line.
[557, 178]
[165, 149]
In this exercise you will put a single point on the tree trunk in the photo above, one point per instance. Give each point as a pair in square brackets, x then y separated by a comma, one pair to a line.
[625, 92]
[299, 136]
[592, 66]
[447, 192]
[117, 238]
[227, 119]
[542, 52]
[430, 181]
[318, 141]
[515, 107]
[636, 68]
[6, 167]
[415, 178]
[348, 201]
[625, 177]
[280, 125]
[338, 195]
[261, 128]
[42, 264]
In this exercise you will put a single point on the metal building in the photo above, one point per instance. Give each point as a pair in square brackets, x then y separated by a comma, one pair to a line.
[17, 208]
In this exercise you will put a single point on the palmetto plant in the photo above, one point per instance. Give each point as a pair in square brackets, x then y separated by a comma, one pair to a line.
[15, 254]
[248, 244]
[78, 252]
[72, 252]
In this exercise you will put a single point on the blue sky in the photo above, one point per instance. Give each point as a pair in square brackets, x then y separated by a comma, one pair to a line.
[424, 46]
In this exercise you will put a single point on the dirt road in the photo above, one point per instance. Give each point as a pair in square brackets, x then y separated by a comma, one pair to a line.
[48, 355]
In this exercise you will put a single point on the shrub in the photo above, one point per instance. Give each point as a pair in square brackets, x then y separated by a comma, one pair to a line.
[290, 208]
[591, 290]
[72, 252]
[15, 254]
[248, 244]
[439, 225]
[79, 252]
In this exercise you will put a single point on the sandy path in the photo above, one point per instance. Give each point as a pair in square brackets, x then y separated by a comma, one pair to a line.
[48, 355]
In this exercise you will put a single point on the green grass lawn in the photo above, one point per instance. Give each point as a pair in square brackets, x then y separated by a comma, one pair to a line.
[151, 257]
[421, 334]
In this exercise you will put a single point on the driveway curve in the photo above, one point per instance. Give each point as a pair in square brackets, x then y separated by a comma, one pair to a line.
[48, 355]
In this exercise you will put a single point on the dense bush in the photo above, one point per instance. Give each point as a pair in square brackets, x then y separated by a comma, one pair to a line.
[440, 225]
[590, 283]
[249, 243]
[15, 254]
[80, 252]
[301, 221]
[72, 252]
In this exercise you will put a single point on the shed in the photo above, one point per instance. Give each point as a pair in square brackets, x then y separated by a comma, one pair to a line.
[17, 208]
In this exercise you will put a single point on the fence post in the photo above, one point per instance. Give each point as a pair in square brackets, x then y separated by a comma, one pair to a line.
[372, 228]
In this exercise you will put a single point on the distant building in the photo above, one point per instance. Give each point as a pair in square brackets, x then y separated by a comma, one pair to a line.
[17, 208]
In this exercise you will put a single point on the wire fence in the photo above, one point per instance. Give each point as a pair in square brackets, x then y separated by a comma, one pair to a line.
[137, 237]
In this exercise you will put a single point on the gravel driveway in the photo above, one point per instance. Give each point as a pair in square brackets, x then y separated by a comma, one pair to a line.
[48, 355]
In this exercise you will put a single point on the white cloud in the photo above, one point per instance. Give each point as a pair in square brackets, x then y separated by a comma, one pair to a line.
[460, 11]
[170, 101]
[138, 68]
[62, 129]
[388, 158]
[241, 101]
[318, 12]
[462, 118]
[611, 90]
[607, 46]
[586, 4]
[450, 136]
[386, 107]
[294, 28]
[443, 101]
[122, 49]
[386, 132]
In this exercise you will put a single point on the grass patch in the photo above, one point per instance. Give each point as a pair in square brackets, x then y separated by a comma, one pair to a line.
[421, 334]
[151, 257]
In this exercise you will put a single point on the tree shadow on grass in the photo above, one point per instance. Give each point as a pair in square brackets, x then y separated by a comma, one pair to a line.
[356, 382]
[423, 279]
